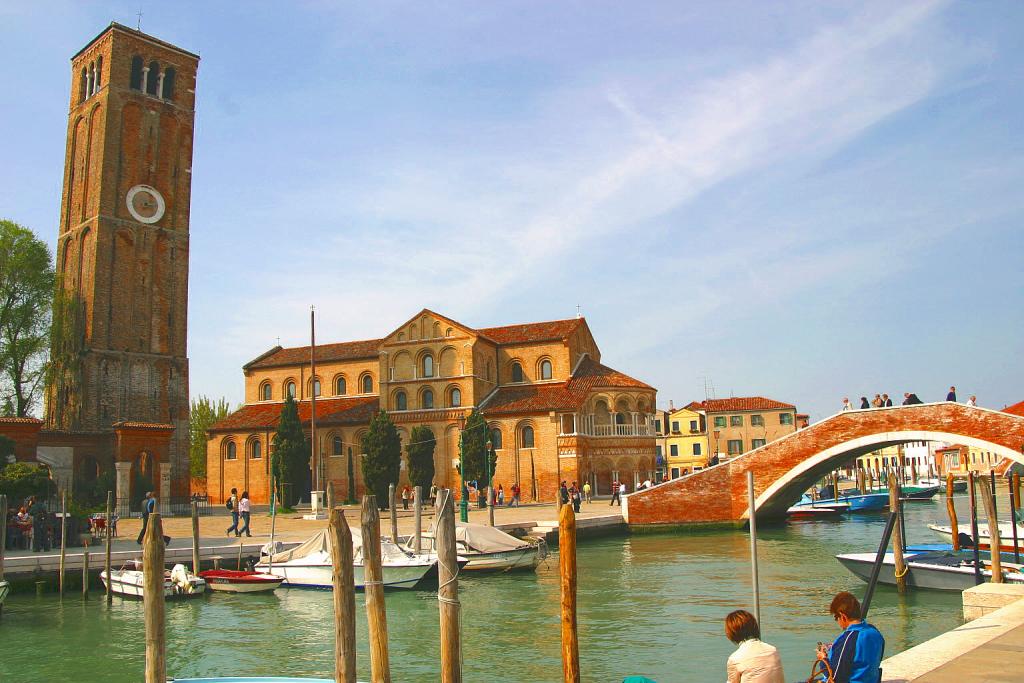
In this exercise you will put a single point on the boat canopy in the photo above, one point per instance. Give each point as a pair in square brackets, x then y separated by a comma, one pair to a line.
[318, 548]
[479, 538]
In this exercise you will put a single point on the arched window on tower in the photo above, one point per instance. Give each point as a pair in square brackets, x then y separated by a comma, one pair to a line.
[456, 398]
[545, 369]
[152, 77]
[168, 91]
[428, 398]
[98, 81]
[401, 402]
[527, 436]
[135, 80]
[265, 392]
[428, 365]
[517, 372]
[83, 82]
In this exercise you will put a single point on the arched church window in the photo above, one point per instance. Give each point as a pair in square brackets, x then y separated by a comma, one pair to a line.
[527, 436]
[428, 365]
[496, 439]
[82, 83]
[265, 391]
[428, 398]
[456, 398]
[316, 387]
[517, 372]
[135, 79]
[339, 387]
[98, 81]
[255, 452]
[232, 451]
[152, 77]
[401, 402]
[168, 91]
[291, 389]
[337, 446]
[367, 384]
[545, 369]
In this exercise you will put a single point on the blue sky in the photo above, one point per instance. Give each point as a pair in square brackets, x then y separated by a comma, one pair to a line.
[803, 200]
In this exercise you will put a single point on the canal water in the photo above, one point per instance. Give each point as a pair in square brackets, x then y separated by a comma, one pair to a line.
[648, 604]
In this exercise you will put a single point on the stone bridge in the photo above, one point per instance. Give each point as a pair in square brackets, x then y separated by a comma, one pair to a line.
[785, 468]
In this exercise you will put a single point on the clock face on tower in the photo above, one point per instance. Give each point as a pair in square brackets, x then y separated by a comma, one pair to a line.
[145, 204]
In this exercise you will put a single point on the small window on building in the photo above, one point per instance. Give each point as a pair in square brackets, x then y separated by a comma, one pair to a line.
[99, 75]
[339, 387]
[496, 438]
[291, 389]
[657, 451]
[693, 426]
[735, 420]
[265, 392]
[448, 332]
[456, 398]
[757, 443]
[135, 79]
[785, 418]
[168, 91]
[232, 451]
[527, 437]
[337, 446]
[428, 365]
[254, 451]
[316, 387]
[673, 450]
[401, 402]
[757, 420]
[367, 384]
[517, 372]
[83, 82]
[696, 449]
[428, 398]
[545, 369]
[675, 426]
[152, 77]
[735, 446]
[720, 421]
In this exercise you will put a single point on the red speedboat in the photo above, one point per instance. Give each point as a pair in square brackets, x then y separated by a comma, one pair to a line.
[240, 582]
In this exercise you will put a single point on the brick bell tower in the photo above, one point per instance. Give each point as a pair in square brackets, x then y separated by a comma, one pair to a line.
[122, 251]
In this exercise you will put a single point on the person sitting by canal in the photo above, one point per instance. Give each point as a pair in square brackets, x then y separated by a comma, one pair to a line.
[753, 661]
[232, 504]
[856, 655]
[244, 511]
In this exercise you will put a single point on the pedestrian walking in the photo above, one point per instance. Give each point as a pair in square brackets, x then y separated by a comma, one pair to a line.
[586, 492]
[232, 504]
[244, 511]
[563, 493]
[615, 494]
[40, 525]
[148, 507]
[886, 401]
[951, 396]
[406, 495]
[575, 497]
[847, 405]
[622, 491]
[516, 492]
[864, 405]
[433, 494]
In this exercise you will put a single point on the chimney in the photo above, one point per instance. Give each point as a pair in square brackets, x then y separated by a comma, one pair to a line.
[671, 405]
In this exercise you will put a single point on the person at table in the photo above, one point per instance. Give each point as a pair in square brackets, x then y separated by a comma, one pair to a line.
[754, 661]
[856, 655]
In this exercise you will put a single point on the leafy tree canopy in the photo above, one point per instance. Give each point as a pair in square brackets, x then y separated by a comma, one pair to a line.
[474, 449]
[383, 460]
[20, 480]
[26, 298]
[202, 415]
[420, 452]
[290, 459]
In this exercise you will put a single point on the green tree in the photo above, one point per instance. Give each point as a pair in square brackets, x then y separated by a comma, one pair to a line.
[20, 480]
[383, 460]
[203, 414]
[26, 299]
[420, 452]
[474, 449]
[290, 458]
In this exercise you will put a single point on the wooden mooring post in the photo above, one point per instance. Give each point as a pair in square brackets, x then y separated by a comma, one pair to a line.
[153, 600]
[373, 582]
[195, 538]
[85, 571]
[417, 514]
[1013, 518]
[3, 537]
[330, 498]
[448, 590]
[393, 513]
[989, 501]
[63, 538]
[754, 578]
[343, 582]
[895, 506]
[109, 533]
[567, 580]
[974, 526]
[951, 510]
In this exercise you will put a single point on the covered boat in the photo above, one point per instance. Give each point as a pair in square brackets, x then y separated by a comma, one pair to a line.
[5, 588]
[489, 549]
[945, 532]
[178, 582]
[936, 570]
[309, 564]
[230, 581]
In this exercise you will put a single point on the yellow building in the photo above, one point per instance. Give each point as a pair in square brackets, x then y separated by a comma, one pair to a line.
[686, 441]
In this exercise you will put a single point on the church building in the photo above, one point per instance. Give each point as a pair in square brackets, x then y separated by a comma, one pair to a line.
[554, 410]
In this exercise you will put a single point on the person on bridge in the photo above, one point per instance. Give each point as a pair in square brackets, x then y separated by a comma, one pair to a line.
[886, 401]
[972, 401]
[856, 655]
[864, 405]
[753, 661]
[877, 401]
[910, 399]
[847, 405]
[951, 396]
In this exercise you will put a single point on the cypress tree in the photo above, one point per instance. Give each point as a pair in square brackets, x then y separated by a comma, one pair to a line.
[474, 449]
[383, 460]
[420, 452]
[291, 453]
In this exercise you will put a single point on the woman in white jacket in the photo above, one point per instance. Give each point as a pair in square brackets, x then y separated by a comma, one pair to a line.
[753, 661]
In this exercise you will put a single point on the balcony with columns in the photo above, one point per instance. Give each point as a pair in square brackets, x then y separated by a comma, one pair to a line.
[624, 424]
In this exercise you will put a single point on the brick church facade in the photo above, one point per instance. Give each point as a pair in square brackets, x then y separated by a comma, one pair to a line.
[554, 410]
[119, 403]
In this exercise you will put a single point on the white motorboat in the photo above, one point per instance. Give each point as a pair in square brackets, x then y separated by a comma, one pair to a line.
[309, 564]
[488, 549]
[937, 570]
[178, 582]
[945, 532]
[5, 588]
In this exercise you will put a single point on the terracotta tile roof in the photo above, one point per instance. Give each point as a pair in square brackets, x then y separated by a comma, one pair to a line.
[553, 330]
[1015, 409]
[20, 420]
[329, 411]
[298, 355]
[569, 395]
[723, 405]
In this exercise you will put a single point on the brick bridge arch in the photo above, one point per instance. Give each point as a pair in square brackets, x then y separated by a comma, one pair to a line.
[785, 468]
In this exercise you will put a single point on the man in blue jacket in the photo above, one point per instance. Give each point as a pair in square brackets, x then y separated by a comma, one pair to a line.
[856, 655]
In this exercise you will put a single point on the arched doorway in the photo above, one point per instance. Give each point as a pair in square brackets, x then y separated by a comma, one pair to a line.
[143, 478]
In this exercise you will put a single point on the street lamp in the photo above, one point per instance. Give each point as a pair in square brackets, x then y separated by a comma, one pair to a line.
[464, 505]
[714, 456]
